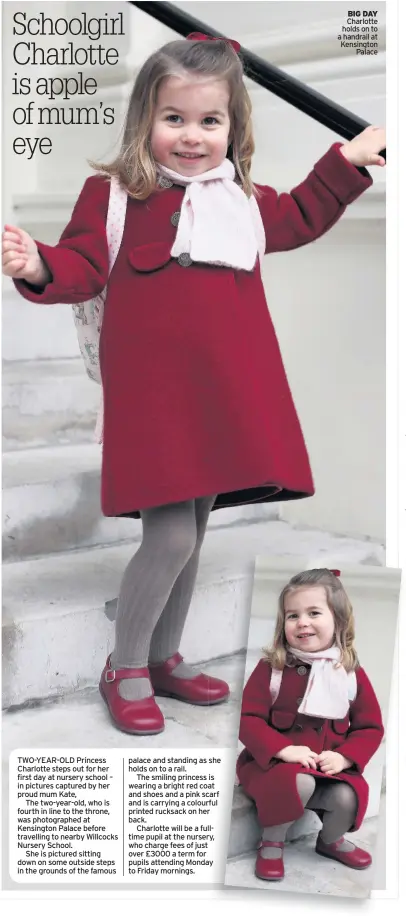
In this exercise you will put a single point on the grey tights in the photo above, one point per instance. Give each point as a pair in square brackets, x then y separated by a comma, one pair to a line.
[338, 802]
[157, 589]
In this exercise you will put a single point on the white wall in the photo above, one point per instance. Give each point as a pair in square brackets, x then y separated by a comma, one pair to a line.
[328, 304]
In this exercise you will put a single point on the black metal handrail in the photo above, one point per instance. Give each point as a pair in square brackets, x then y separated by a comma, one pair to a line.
[281, 84]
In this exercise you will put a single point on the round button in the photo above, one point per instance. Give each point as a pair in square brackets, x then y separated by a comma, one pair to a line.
[175, 218]
[185, 260]
[164, 182]
[298, 728]
[299, 701]
[319, 729]
[301, 670]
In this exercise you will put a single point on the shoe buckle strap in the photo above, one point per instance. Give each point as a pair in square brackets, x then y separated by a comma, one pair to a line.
[169, 664]
[271, 844]
[111, 675]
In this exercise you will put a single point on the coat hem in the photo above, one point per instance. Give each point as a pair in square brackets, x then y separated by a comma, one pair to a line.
[297, 805]
[265, 493]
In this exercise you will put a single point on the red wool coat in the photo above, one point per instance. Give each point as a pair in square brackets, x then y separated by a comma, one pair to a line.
[265, 730]
[195, 393]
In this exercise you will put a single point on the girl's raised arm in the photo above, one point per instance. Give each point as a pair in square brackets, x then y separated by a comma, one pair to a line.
[78, 265]
[309, 210]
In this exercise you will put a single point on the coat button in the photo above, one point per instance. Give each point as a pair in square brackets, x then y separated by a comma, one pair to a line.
[301, 670]
[185, 260]
[175, 218]
[299, 701]
[319, 729]
[164, 182]
[298, 727]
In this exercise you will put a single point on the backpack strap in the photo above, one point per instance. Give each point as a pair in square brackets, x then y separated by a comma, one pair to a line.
[115, 219]
[275, 684]
[352, 686]
[116, 215]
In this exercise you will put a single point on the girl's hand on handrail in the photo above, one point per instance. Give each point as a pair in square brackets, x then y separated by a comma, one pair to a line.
[364, 149]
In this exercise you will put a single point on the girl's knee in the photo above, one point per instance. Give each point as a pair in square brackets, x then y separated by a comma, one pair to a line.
[181, 544]
[343, 797]
[171, 531]
[306, 786]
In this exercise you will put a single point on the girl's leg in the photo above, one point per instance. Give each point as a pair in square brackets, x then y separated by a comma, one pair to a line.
[169, 628]
[305, 786]
[169, 540]
[339, 804]
[340, 809]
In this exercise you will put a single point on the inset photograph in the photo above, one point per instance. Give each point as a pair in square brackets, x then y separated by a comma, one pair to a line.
[308, 812]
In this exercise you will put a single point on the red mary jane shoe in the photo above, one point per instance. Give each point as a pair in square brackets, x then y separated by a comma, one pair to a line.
[202, 689]
[271, 870]
[139, 717]
[355, 859]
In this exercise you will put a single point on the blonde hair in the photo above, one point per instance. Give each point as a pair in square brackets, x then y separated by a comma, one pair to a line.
[340, 606]
[134, 165]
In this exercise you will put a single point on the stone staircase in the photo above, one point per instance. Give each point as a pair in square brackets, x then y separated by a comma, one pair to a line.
[53, 391]
[64, 561]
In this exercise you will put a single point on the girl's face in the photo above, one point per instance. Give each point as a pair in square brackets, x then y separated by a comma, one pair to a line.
[191, 126]
[309, 623]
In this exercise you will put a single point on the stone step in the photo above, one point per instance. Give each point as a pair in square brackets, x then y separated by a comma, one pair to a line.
[51, 502]
[47, 402]
[81, 720]
[34, 332]
[56, 635]
[245, 830]
[307, 873]
[55, 632]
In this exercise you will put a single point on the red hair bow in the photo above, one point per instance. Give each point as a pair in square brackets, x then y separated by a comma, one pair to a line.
[336, 572]
[200, 36]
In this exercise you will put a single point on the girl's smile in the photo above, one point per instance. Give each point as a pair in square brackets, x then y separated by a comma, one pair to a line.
[191, 127]
[309, 623]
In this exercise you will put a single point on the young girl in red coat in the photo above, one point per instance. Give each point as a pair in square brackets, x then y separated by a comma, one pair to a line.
[197, 409]
[310, 722]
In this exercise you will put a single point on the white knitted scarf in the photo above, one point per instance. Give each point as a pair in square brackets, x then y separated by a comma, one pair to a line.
[218, 224]
[330, 689]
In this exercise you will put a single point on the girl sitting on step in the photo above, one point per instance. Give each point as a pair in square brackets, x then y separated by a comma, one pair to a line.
[198, 412]
[310, 722]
